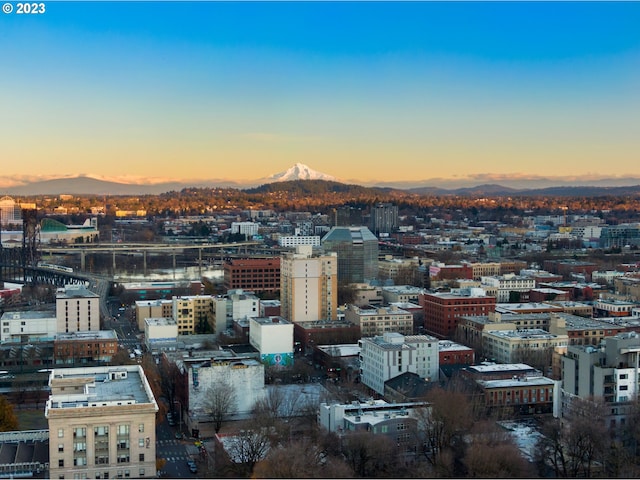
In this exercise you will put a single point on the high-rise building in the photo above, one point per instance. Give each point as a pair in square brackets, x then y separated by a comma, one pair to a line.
[384, 218]
[102, 423]
[357, 250]
[309, 285]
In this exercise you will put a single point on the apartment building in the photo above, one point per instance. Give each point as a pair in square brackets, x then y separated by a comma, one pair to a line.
[101, 423]
[309, 285]
[391, 354]
[192, 313]
[505, 284]
[77, 309]
[378, 320]
[152, 309]
[510, 346]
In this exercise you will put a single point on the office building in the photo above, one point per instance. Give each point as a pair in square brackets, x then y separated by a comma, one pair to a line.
[442, 311]
[375, 321]
[102, 423]
[357, 250]
[259, 275]
[384, 218]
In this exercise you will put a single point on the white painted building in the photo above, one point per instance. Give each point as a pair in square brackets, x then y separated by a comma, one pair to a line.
[288, 241]
[273, 338]
[245, 228]
[28, 326]
[244, 374]
[503, 285]
[160, 333]
[77, 309]
[385, 357]
[235, 305]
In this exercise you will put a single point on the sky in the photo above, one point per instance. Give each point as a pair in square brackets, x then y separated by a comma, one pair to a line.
[369, 92]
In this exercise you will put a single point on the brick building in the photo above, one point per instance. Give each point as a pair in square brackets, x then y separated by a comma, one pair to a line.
[254, 274]
[442, 311]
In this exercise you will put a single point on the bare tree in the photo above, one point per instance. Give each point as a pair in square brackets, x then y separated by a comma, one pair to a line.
[221, 401]
[247, 448]
[301, 459]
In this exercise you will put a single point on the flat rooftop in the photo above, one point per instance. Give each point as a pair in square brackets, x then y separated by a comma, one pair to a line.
[90, 335]
[522, 382]
[501, 368]
[28, 315]
[75, 291]
[101, 386]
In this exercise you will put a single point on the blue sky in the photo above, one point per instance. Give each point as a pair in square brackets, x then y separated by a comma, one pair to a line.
[367, 91]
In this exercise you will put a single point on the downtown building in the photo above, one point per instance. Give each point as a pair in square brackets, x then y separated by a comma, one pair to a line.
[357, 250]
[442, 311]
[102, 423]
[259, 275]
[392, 354]
[309, 286]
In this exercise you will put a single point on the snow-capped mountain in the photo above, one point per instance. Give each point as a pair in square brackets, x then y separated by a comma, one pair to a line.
[299, 172]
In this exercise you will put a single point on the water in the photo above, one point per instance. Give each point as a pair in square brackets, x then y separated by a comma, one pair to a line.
[169, 274]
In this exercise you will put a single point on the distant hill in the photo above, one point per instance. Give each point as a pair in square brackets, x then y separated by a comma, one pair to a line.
[83, 185]
[314, 187]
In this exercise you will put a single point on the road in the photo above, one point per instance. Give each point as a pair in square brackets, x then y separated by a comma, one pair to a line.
[174, 452]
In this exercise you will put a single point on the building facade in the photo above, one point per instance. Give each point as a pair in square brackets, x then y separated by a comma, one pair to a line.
[387, 356]
[377, 321]
[28, 326]
[442, 311]
[259, 275]
[77, 309]
[357, 250]
[273, 338]
[309, 286]
[101, 423]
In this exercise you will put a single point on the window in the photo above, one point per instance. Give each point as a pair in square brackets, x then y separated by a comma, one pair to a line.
[61, 462]
[60, 447]
[141, 427]
[141, 442]
[60, 432]
[141, 472]
[141, 457]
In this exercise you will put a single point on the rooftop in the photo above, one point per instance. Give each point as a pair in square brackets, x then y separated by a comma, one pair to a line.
[99, 387]
[517, 382]
[90, 335]
[75, 291]
[28, 315]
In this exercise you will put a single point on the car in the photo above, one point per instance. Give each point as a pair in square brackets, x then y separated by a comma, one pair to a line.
[172, 422]
[191, 462]
[178, 436]
[193, 468]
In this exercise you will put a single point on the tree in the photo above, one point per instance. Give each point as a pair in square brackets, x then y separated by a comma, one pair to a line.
[221, 401]
[441, 427]
[8, 419]
[301, 459]
[370, 455]
[247, 448]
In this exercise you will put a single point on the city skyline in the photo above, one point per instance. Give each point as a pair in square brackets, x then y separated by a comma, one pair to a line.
[441, 92]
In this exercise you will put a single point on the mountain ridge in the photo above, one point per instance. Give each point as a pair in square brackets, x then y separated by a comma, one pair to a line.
[86, 185]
